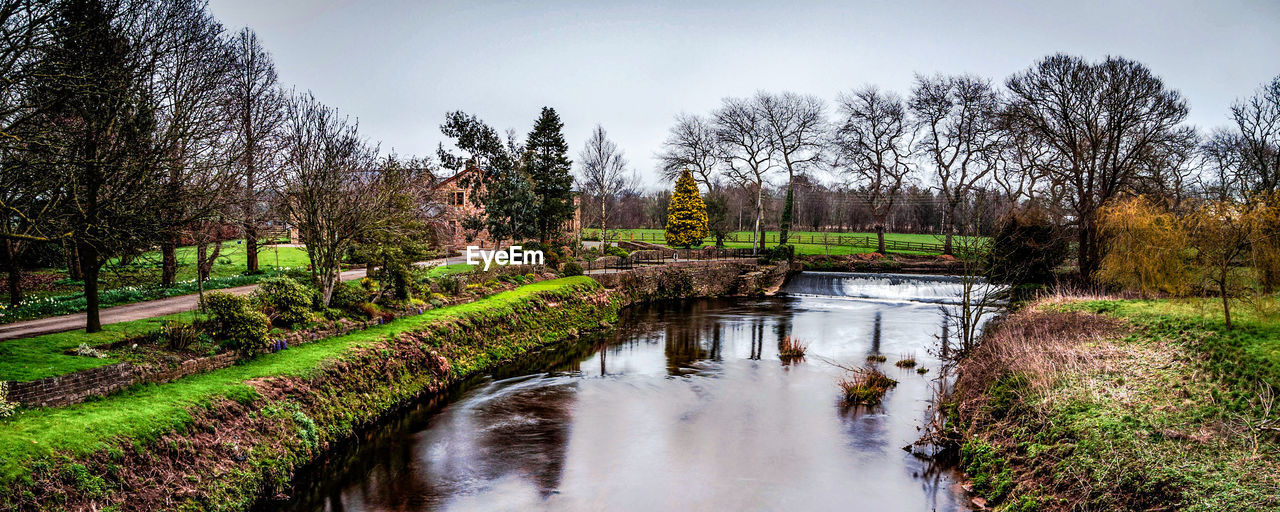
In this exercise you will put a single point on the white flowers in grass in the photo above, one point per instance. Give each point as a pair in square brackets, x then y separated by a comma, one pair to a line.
[6, 407]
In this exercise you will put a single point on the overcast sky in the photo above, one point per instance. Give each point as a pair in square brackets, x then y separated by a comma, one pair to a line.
[399, 65]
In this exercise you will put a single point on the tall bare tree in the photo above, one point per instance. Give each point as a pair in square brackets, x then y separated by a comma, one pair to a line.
[604, 174]
[1102, 122]
[960, 137]
[874, 148]
[1257, 120]
[744, 135]
[190, 79]
[798, 133]
[329, 190]
[255, 106]
[692, 144]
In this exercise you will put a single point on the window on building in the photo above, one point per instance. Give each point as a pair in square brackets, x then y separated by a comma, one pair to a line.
[459, 198]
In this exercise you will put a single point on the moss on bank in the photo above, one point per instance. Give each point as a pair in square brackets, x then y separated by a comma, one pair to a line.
[218, 441]
[1122, 405]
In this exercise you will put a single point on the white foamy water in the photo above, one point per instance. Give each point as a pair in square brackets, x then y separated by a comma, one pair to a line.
[898, 287]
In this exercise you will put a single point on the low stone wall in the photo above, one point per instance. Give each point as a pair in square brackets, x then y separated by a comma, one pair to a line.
[77, 387]
[696, 279]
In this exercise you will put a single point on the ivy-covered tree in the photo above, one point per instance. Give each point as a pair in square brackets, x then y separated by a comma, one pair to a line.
[548, 168]
[687, 214]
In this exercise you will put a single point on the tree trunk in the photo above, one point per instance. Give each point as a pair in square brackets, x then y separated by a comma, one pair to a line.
[73, 262]
[15, 272]
[250, 247]
[758, 240]
[785, 224]
[880, 238]
[948, 224]
[169, 259]
[1226, 301]
[89, 267]
[1086, 258]
[604, 240]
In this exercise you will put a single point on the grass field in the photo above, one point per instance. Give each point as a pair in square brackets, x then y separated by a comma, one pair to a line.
[449, 270]
[800, 239]
[45, 356]
[148, 411]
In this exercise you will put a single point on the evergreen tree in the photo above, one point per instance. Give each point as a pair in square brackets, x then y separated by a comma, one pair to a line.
[548, 168]
[687, 214]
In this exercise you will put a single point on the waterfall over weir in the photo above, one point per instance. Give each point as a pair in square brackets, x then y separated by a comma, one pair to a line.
[905, 287]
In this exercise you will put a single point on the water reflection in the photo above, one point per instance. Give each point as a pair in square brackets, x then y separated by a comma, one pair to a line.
[685, 406]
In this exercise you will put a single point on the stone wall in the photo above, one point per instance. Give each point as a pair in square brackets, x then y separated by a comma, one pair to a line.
[696, 279]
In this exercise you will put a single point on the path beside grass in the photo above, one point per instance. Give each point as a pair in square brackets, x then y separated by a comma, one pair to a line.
[127, 312]
[148, 411]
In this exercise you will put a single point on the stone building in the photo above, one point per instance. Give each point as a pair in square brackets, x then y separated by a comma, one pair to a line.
[454, 194]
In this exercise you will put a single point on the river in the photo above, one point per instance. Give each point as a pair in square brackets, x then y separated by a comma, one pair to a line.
[685, 406]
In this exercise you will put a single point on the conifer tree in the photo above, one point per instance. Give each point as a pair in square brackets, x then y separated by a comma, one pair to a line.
[687, 214]
[548, 168]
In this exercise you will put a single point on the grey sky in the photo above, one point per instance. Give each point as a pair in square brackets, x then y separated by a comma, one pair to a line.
[399, 65]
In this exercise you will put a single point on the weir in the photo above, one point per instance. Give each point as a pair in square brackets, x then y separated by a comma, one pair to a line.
[897, 287]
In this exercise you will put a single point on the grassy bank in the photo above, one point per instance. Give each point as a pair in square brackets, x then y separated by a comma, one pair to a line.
[1124, 405]
[291, 402]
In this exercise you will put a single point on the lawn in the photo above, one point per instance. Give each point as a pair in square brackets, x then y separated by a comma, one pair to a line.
[805, 242]
[450, 270]
[45, 356]
[148, 411]
[1248, 353]
[145, 269]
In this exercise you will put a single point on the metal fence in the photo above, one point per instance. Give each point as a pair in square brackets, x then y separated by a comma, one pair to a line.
[664, 256]
[832, 239]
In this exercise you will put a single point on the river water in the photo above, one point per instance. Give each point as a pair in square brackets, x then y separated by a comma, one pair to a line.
[685, 406]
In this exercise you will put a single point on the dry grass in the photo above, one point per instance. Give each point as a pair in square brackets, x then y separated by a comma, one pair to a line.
[876, 358]
[790, 348]
[906, 361]
[865, 386]
[1036, 344]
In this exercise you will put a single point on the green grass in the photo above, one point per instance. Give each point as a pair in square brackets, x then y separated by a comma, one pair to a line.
[799, 239]
[148, 411]
[43, 356]
[449, 270]
[145, 269]
[1247, 353]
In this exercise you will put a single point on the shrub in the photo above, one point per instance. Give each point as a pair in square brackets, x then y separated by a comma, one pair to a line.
[179, 335]
[907, 361]
[614, 250]
[449, 285]
[347, 297]
[6, 407]
[1026, 248]
[241, 328]
[778, 253]
[286, 301]
[570, 269]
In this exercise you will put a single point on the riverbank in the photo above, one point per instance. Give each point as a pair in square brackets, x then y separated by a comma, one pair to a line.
[223, 439]
[1077, 404]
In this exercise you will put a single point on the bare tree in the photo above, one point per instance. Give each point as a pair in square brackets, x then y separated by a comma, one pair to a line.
[1221, 155]
[1258, 123]
[960, 138]
[604, 174]
[692, 144]
[798, 133]
[255, 105]
[328, 191]
[874, 144]
[744, 135]
[1102, 122]
[190, 78]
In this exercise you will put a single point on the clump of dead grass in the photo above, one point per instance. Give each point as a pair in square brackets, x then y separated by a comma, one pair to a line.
[865, 386]
[791, 349]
